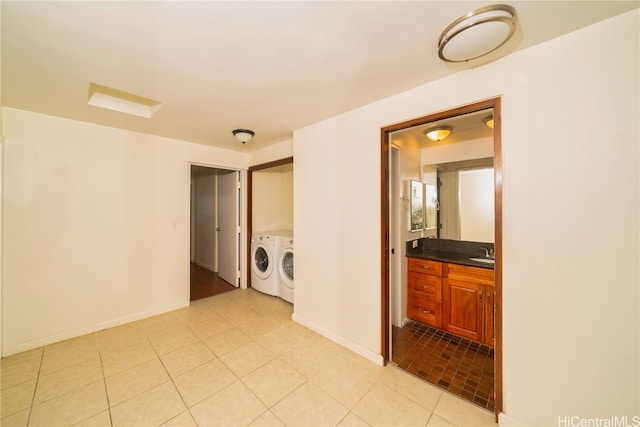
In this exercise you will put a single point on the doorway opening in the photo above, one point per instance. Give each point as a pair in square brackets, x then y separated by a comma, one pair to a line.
[253, 225]
[434, 353]
[215, 231]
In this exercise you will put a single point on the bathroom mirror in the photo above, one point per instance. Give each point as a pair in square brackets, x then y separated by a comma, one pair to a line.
[468, 147]
[416, 205]
[466, 200]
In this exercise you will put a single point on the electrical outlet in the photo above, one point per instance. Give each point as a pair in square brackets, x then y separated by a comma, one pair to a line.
[414, 244]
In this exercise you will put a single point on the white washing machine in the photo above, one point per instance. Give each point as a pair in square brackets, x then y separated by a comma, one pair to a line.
[285, 268]
[264, 263]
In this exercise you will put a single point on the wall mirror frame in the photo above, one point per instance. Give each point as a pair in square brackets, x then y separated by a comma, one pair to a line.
[423, 206]
[431, 207]
[385, 255]
[416, 205]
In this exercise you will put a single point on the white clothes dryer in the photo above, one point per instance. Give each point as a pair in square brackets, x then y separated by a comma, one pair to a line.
[285, 268]
[264, 263]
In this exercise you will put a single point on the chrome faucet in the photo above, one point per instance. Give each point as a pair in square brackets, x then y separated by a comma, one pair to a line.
[489, 252]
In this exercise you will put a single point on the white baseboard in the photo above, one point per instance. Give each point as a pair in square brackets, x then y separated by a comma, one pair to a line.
[40, 342]
[375, 358]
[204, 265]
[505, 421]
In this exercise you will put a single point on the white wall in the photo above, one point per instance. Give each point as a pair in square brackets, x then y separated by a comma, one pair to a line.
[462, 150]
[570, 238]
[272, 204]
[278, 151]
[96, 226]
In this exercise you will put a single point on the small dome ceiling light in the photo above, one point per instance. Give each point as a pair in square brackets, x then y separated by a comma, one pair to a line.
[243, 135]
[438, 133]
[477, 33]
[488, 121]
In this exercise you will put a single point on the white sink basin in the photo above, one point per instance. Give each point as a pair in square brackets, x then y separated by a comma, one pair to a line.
[485, 260]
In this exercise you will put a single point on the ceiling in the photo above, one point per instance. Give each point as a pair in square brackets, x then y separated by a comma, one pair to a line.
[465, 127]
[269, 66]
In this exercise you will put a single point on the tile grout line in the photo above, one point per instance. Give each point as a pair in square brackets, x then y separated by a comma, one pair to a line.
[458, 372]
[104, 381]
[435, 344]
[35, 389]
[478, 387]
[253, 340]
[169, 375]
[278, 355]
[416, 329]
[238, 379]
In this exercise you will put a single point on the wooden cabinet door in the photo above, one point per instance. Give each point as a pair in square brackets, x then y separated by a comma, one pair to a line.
[463, 308]
[489, 311]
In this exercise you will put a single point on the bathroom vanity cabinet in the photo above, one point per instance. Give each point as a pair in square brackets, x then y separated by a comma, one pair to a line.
[424, 296]
[468, 302]
[457, 298]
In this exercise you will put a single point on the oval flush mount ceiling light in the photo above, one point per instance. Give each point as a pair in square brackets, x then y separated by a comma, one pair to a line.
[477, 33]
[438, 133]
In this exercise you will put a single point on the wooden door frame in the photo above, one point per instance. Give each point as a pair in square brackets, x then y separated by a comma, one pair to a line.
[385, 132]
[280, 162]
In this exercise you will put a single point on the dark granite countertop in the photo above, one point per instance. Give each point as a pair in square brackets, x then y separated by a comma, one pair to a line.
[451, 257]
[452, 251]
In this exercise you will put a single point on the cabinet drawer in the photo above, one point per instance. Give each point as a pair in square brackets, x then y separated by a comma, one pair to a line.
[425, 285]
[482, 276]
[425, 311]
[425, 266]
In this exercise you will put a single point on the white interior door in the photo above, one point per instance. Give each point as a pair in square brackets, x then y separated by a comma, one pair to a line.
[228, 227]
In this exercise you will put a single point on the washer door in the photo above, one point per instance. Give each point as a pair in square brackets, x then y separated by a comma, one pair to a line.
[261, 263]
[286, 268]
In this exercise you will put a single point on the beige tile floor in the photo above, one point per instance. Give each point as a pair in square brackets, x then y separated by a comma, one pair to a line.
[228, 360]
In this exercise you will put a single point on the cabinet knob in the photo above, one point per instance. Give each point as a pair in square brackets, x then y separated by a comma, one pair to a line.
[480, 293]
[425, 287]
[426, 267]
[426, 311]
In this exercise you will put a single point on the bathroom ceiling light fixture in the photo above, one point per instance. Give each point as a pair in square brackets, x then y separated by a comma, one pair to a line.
[477, 33]
[438, 133]
[243, 135]
[488, 121]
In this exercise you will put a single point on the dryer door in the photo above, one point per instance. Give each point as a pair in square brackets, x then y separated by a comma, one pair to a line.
[261, 263]
[286, 268]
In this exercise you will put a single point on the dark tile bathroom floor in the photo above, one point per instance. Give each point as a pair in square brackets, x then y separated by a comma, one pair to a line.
[463, 367]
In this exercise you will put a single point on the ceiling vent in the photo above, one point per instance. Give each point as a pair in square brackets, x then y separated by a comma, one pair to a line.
[123, 102]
